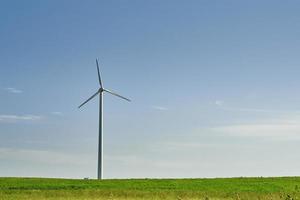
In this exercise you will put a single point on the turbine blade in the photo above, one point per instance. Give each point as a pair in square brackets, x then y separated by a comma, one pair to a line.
[113, 93]
[89, 99]
[99, 77]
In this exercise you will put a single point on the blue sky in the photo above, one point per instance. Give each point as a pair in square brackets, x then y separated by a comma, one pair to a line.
[214, 86]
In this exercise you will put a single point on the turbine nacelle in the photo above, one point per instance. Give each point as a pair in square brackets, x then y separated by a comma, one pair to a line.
[101, 89]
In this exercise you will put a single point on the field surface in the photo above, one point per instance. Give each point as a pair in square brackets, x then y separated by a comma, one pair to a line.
[286, 188]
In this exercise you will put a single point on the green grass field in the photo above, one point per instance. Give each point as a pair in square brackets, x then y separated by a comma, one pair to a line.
[220, 188]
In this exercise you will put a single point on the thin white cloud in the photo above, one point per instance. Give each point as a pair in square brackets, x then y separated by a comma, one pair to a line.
[273, 129]
[17, 118]
[173, 145]
[162, 108]
[126, 159]
[255, 110]
[57, 113]
[13, 90]
[222, 106]
[44, 156]
[219, 103]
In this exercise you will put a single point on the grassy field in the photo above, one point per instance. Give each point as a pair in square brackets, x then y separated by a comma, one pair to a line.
[222, 188]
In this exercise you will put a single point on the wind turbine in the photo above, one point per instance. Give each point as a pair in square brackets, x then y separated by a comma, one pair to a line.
[100, 92]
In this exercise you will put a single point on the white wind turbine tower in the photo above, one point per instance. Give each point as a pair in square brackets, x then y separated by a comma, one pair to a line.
[100, 91]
